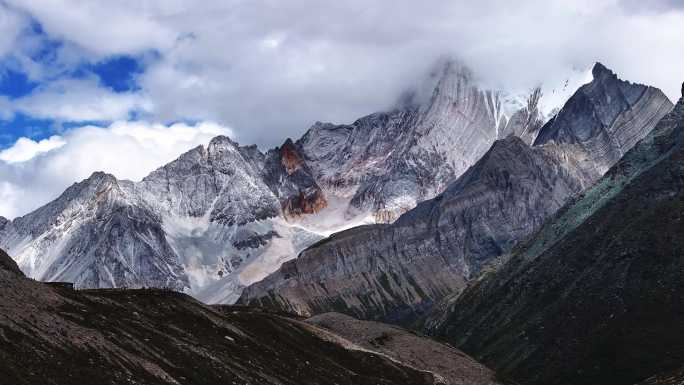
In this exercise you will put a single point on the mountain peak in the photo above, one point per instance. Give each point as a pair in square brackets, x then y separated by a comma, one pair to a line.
[443, 81]
[289, 142]
[221, 141]
[101, 176]
[449, 75]
[600, 71]
[596, 109]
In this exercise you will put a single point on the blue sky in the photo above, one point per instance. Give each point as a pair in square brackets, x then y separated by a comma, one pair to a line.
[117, 73]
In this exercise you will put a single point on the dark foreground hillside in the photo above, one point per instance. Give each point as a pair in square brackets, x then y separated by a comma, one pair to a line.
[52, 335]
[455, 367]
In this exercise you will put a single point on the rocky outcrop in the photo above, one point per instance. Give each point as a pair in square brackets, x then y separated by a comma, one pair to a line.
[394, 273]
[595, 296]
[255, 241]
[291, 179]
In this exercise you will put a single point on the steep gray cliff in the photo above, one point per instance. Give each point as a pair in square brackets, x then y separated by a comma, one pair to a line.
[603, 120]
[387, 162]
[96, 234]
[221, 180]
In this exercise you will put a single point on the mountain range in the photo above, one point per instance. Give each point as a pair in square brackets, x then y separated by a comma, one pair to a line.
[510, 246]
[392, 272]
[223, 216]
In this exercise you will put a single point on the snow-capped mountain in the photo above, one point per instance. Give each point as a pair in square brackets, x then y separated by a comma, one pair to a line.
[394, 272]
[386, 162]
[223, 216]
[184, 226]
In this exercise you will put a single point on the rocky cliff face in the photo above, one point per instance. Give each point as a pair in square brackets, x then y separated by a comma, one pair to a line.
[290, 178]
[221, 181]
[595, 296]
[223, 216]
[97, 234]
[395, 272]
[603, 120]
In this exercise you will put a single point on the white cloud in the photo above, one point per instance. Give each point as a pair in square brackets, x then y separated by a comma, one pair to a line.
[11, 24]
[129, 150]
[105, 28]
[80, 100]
[270, 69]
[25, 149]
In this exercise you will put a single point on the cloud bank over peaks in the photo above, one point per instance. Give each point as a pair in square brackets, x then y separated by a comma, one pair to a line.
[271, 69]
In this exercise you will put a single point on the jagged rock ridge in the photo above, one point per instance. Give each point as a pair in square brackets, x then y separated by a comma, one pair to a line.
[183, 225]
[603, 120]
